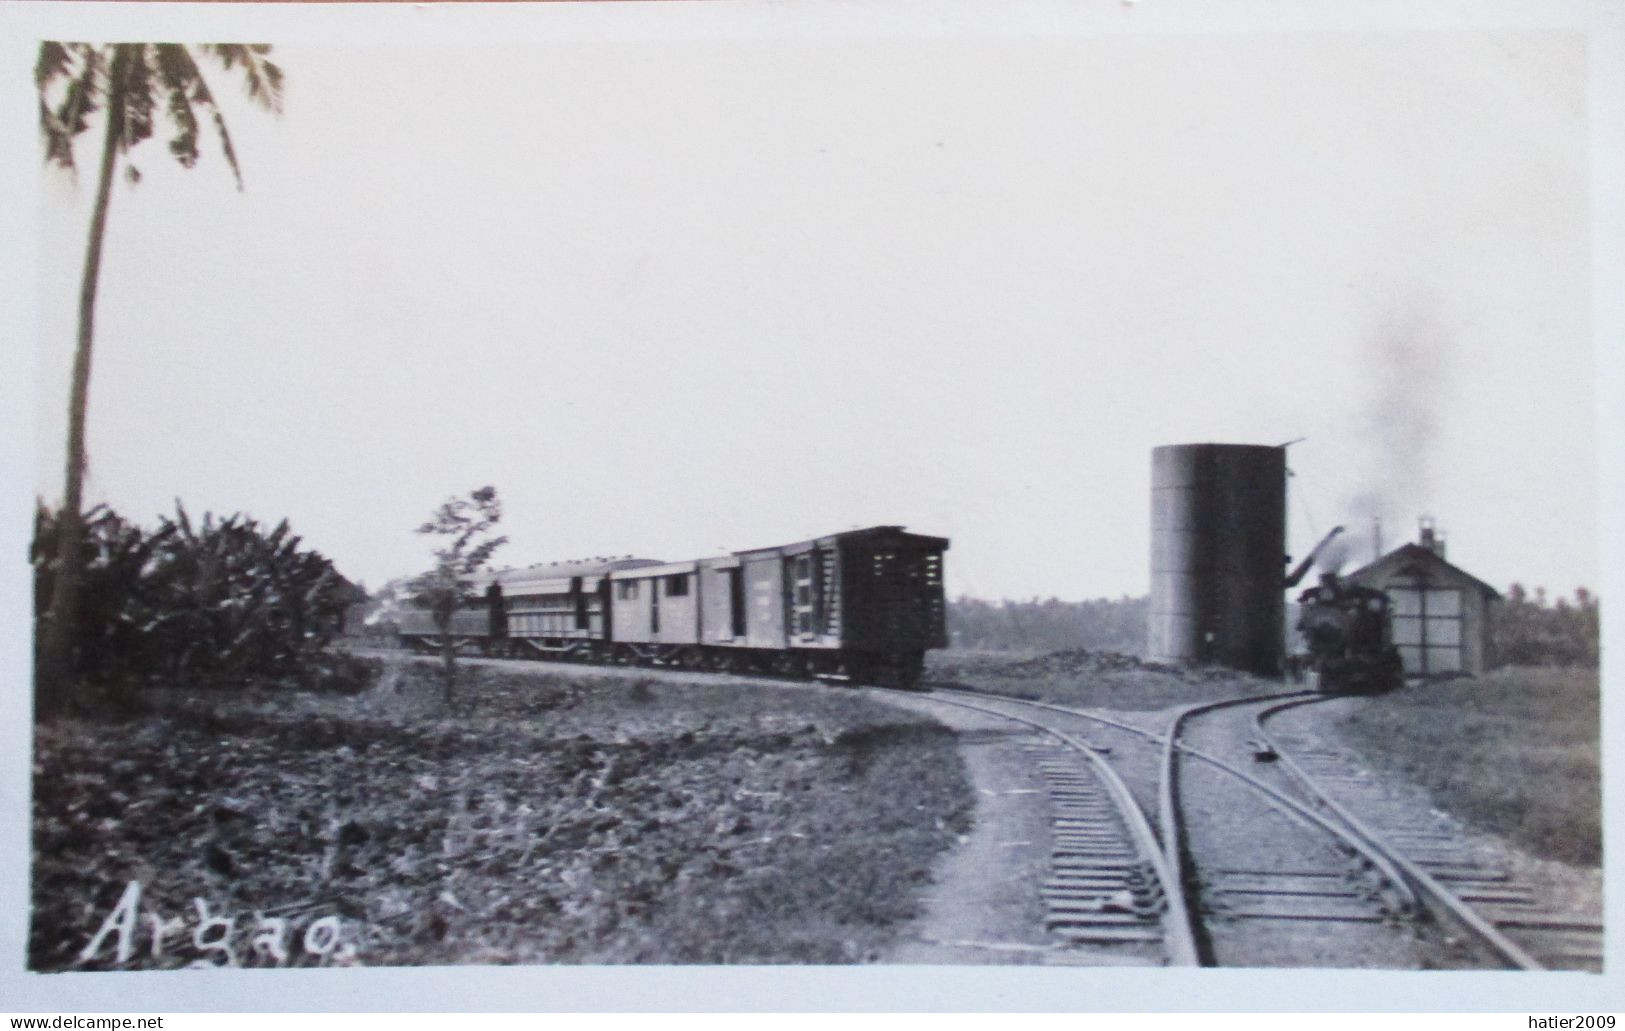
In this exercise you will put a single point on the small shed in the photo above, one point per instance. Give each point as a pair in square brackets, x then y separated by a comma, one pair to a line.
[1440, 612]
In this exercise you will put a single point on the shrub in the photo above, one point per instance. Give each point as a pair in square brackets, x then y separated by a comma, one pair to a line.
[222, 601]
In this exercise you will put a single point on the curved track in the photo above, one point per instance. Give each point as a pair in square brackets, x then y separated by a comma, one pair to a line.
[1484, 902]
[1426, 877]
[1169, 817]
[1088, 865]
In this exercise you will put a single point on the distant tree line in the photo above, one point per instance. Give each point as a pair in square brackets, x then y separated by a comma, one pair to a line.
[1102, 624]
[1526, 629]
[216, 602]
[1530, 630]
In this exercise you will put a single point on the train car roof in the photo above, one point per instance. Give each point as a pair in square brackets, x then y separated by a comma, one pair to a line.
[658, 569]
[870, 532]
[560, 570]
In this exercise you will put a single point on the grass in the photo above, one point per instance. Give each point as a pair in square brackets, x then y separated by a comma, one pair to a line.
[1515, 753]
[547, 817]
[1103, 680]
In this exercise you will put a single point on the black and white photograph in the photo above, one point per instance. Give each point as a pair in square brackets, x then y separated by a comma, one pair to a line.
[1111, 497]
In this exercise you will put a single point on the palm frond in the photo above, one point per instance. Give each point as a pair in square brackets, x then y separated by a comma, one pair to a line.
[205, 99]
[176, 70]
[86, 70]
[54, 62]
[135, 93]
[73, 80]
[262, 80]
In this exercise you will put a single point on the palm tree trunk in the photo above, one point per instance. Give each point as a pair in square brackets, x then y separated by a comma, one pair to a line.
[55, 664]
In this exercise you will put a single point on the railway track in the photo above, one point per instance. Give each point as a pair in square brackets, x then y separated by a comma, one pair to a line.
[1344, 883]
[1390, 872]
[1508, 915]
[1109, 881]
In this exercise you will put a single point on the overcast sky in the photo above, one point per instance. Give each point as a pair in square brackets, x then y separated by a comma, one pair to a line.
[681, 296]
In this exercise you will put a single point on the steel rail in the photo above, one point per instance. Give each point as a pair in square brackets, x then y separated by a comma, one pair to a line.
[1179, 932]
[1168, 809]
[1167, 806]
[1426, 882]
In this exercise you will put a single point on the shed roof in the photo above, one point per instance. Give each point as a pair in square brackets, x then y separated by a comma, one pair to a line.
[1411, 559]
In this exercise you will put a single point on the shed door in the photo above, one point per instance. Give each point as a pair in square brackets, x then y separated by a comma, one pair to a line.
[1428, 629]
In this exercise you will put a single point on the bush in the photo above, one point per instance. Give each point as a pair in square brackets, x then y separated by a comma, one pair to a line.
[220, 602]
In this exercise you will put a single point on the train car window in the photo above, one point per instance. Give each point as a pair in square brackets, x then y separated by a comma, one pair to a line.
[677, 585]
[626, 590]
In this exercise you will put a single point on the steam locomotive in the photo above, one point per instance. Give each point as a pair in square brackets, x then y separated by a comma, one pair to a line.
[1348, 632]
[859, 606]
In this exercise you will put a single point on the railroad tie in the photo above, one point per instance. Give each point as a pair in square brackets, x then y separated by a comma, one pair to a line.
[1100, 891]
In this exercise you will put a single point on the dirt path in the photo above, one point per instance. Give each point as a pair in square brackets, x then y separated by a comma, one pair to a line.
[985, 905]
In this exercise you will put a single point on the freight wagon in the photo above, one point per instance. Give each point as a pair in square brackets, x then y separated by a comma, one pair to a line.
[860, 606]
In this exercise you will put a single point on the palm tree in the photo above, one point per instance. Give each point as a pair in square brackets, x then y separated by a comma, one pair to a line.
[132, 83]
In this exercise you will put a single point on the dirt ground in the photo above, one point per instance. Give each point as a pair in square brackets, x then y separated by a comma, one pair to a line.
[551, 816]
[1090, 679]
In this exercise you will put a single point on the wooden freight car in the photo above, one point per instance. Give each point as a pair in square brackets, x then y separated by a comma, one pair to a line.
[862, 605]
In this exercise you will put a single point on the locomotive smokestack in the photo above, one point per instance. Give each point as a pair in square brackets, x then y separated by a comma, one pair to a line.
[1376, 537]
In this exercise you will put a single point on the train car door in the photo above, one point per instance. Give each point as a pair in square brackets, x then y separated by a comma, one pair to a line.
[580, 597]
[736, 601]
[764, 600]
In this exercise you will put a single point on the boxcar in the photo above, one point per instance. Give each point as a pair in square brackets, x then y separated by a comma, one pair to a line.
[859, 605]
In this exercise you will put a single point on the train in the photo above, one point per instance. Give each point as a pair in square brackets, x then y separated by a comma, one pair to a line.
[1348, 633]
[859, 606]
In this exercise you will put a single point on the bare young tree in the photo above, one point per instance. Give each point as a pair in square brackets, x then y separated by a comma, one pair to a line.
[465, 524]
[137, 85]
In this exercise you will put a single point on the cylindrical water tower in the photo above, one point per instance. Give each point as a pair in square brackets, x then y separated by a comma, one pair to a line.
[1218, 550]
